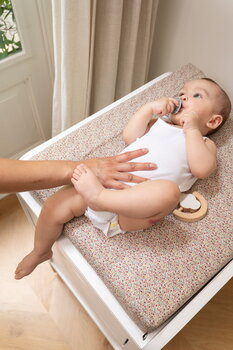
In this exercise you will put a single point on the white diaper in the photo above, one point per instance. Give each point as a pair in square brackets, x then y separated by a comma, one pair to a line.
[105, 221]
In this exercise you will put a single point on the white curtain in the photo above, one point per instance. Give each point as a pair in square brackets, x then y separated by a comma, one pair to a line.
[102, 52]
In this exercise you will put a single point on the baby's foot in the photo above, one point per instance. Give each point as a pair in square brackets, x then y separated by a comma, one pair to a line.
[88, 185]
[30, 262]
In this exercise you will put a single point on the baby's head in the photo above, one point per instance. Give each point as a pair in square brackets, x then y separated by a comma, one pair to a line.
[223, 107]
[209, 101]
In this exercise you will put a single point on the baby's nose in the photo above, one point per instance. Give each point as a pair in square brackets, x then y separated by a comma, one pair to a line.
[184, 98]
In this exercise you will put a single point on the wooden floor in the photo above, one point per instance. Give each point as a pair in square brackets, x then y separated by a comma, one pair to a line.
[39, 312]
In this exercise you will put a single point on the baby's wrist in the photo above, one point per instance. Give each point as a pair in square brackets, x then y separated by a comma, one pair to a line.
[150, 112]
[191, 129]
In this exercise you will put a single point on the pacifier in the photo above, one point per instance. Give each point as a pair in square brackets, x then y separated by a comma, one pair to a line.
[177, 108]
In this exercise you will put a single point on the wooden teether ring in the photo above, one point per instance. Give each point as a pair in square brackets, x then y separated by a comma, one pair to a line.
[193, 216]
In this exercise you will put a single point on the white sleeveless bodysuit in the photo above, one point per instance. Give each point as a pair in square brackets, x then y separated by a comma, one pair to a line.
[167, 148]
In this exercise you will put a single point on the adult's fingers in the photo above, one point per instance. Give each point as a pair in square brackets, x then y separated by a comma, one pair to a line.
[134, 166]
[128, 177]
[127, 156]
[115, 184]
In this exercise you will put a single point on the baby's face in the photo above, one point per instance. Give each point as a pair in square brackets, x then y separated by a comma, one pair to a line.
[199, 96]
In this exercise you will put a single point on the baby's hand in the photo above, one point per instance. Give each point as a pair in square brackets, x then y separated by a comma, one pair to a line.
[189, 120]
[163, 106]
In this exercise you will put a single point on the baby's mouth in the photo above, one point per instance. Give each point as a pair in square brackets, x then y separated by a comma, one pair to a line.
[181, 109]
[178, 107]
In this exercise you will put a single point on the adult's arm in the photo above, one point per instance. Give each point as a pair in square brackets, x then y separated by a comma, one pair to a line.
[28, 175]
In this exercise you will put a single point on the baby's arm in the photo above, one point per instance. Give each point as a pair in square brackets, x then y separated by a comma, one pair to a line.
[202, 153]
[139, 124]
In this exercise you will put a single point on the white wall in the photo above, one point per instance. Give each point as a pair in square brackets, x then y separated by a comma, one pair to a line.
[198, 32]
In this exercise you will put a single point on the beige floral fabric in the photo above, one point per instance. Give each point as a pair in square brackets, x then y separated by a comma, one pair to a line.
[154, 272]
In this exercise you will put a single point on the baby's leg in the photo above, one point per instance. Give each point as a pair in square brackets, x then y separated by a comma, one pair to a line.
[134, 224]
[151, 199]
[57, 210]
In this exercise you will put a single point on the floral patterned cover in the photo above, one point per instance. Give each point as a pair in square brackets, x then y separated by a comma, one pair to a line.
[154, 272]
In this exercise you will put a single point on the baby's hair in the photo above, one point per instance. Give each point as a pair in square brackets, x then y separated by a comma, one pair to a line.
[224, 108]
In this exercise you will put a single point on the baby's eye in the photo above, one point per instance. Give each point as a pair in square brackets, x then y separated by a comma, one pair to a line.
[197, 95]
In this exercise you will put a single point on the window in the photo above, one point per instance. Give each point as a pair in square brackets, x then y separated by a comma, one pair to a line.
[9, 37]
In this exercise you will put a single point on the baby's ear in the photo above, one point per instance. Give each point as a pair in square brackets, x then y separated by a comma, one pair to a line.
[214, 121]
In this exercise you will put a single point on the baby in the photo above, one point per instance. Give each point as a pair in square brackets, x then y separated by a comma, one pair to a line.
[181, 150]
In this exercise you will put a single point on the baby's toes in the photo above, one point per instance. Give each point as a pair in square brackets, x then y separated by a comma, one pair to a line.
[82, 168]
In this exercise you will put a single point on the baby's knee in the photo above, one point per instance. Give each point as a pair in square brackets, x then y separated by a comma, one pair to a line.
[171, 192]
[174, 191]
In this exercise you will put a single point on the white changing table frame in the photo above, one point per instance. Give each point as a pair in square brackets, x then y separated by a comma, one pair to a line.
[93, 294]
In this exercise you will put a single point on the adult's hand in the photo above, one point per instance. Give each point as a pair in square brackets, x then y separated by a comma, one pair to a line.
[28, 175]
[111, 171]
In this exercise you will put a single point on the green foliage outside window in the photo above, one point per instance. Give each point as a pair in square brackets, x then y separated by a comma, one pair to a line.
[9, 38]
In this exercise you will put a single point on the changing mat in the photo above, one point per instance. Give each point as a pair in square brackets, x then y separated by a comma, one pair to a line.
[154, 272]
